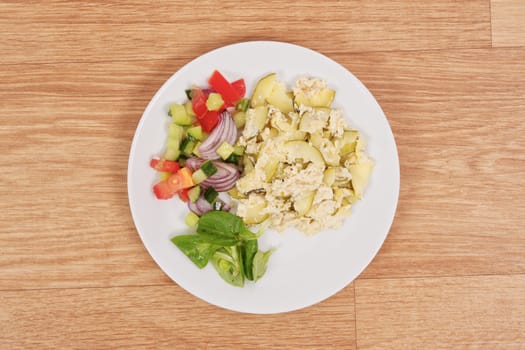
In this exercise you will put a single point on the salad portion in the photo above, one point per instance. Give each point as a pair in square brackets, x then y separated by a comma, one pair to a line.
[200, 163]
[282, 158]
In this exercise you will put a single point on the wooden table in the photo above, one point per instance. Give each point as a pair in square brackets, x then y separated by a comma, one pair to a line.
[75, 79]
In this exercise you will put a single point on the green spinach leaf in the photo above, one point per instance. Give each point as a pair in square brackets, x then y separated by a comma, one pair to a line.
[224, 228]
[196, 248]
[248, 250]
[260, 263]
[228, 263]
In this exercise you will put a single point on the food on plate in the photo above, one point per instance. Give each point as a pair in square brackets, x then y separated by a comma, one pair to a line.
[304, 167]
[285, 157]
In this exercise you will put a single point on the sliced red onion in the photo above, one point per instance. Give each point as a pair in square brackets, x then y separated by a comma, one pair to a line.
[194, 163]
[232, 134]
[223, 185]
[224, 131]
[223, 180]
[200, 206]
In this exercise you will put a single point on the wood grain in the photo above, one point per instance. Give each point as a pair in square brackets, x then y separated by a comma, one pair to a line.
[101, 30]
[457, 118]
[484, 312]
[66, 219]
[508, 18]
[76, 77]
[160, 317]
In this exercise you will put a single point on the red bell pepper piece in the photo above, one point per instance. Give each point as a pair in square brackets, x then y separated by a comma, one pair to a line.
[198, 102]
[240, 87]
[164, 165]
[209, 120]
[219, 83]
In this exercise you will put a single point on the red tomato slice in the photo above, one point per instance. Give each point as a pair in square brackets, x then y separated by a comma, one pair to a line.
[164, 165]
[180, 180]
[219, 83]
[209, 121]
[183, 195]
[162, 190]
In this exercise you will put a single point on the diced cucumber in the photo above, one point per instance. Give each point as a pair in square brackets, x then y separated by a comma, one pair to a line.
[195, 132]
[214, 102]
[189, 109]
[196, 149]
[179, 115]
[175, 132]
[239, 118]
[198, 176]
[188, 93]
[225, 150]
[172, 143]
[172, 153]
[194, 193]
[191, 219]
[211, 195]
[208, 168]
[238, 150]
[187, 147]
[233, 158]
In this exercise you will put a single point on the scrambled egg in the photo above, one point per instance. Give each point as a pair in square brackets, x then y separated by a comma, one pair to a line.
[304, 168]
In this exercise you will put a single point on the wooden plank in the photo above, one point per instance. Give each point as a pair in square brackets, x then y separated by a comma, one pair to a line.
[485, 312]
[458, 121]
[159, 317]
[58, 31]
[64, 215]
[508, 19]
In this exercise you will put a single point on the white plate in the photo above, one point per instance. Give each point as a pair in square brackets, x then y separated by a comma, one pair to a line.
[303, 270]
